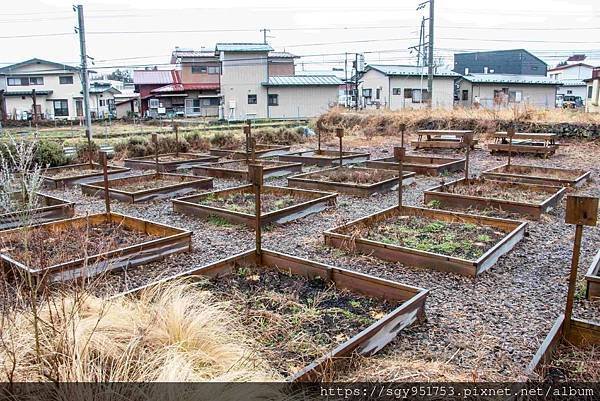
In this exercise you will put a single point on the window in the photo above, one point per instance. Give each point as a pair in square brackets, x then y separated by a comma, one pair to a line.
[66, 80]
[408, 93]
[569, 92]
[102, 102]
[252, 99]
[590, 92]
[534, 67]
[17, 81]
[377, 93]
[199, 69]
[214, 70]
[396, 91]
[367, 92]
[418, 95]
[36, 81]
[153, 103]
[465, 94]
[515, 96]
[210, 101]
[273, 100]
[61, 108]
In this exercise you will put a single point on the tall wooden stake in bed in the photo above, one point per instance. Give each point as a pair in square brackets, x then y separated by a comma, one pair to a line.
[339, 132]
[319, 139]
[248, 135]
[104, 159]
[255, 172]
[176, 129]
[581, 211]
[468, 140]
[155, 141]
[253, 149]
[402, 130]
[399, 154]
[510, 133]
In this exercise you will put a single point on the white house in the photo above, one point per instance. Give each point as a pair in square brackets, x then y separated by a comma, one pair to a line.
[506, 90]
[57, 90]
[592, 104]
[405, 86]
[572, 77]
[102, 100]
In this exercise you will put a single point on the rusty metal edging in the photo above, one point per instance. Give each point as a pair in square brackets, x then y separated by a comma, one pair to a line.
[404, 315]
[149, 161]
[64, 209]
[56, 183]
[592, 278]
[494, 173]
[225, 173]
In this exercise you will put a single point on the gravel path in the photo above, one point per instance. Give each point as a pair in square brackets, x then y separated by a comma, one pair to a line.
[477, 329]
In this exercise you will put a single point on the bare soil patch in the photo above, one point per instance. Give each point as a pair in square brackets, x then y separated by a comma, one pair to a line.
[147, 182]
[575, 364]
[494, 189]
[244, 202]
[352, 175]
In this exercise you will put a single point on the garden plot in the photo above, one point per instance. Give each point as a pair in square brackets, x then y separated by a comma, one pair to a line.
[530, 200]
[237, 205]
[260, 150]
[593, 278]
[60, 177]
[425, 165]
[309, 318]
[87, 246]
[324, 157]
[238, 169]
[569, 354]
[170, 162]
[446, 241]
[539, 175]
[148, 187]
[358, 181]
[48, 208]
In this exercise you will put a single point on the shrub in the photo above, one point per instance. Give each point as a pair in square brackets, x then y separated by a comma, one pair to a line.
[83, 151]
[50, 154]
[197, 141]
[280, 136]
[224, 139]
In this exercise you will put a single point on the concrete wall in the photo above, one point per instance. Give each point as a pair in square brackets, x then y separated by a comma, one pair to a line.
[51, 76]
[302, 101]
[443, 90]
[243, 74]
[572, 72]
[543, 96]
[592, 104]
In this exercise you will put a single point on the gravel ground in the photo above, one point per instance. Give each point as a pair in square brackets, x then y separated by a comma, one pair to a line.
[486, 328]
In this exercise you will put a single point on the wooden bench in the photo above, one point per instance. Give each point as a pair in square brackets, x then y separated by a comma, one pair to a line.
[524, 142]
[441, 139]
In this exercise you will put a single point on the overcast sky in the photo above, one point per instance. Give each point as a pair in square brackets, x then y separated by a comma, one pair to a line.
[551, 29]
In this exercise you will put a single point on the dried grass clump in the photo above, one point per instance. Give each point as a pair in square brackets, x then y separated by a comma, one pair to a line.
[352, 175]
[170, 333]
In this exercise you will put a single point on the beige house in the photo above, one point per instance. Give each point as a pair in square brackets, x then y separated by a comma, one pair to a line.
[57, 90]
[259, 83]
[592, 104]
[405, 86]
[507, 90]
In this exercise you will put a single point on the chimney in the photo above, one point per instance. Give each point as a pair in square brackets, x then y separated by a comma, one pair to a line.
[485, 70]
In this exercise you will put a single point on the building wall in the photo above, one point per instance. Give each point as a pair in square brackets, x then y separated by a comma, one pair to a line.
[243, 74]
[572, 72]
[281, 68]
[187, 76]
[66, 92]
[302, 101]
[543, 96]
[572, 90]
[126, 108]
[443, 91]
[592, 104]
[96, 109]
[502, 62]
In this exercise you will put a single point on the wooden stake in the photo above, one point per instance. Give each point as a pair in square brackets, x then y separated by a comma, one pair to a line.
[510, 133]
[255, 173]
[581, 211]
[155, 140]
[253, 149]
[176, 129]
[105, 174]
[339, 132]
[248, 134]
[319, 140]
[400, 155]
[402, 129]
[467, 139]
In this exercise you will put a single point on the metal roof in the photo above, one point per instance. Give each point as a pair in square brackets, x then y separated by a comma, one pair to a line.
[186, 87]
[410, 70]
[9, 68]
[282, 55]
[148, 77]
[312, 80]
[571, 82]
[567, 66]
[243, 47]
[510, 79]
[188, 53]
[28, 93]
[99, 88]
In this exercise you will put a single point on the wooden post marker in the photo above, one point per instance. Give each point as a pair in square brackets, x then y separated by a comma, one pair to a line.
[399, 153]
[402, 130]
[155, 141]
[510, 133]
[339, 132]
[176, 129]
[255, 175]
[581, 211]
[468, 140]
[253, 149]
[248, 135]
[104, 158]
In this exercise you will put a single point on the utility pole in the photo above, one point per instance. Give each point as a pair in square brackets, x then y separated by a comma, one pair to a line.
[430, 56]
[356, 78]
[264, 31]
[85, 83]
[346, 80]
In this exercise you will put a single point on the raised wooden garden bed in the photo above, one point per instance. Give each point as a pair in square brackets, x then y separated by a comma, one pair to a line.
[49, 209]
[358, 181]
[446, 241]
[593, 278]
[358, 314]
[66, 176]
[561, 177]
[279, 204]
[148, 187]
[442, 139]
[238, 169]
[57, 251]
[543, 144]
[531, 200]
[582, 336]
[324, 157]
[261, 150]
[426, 165]
[170, 162]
